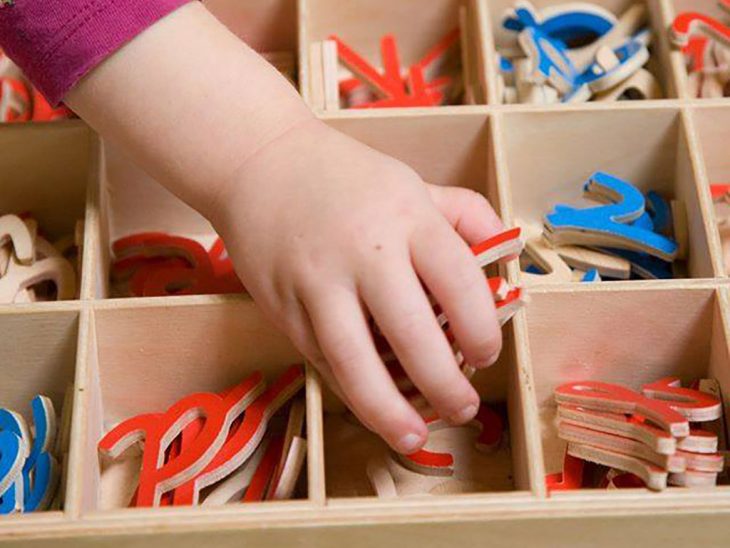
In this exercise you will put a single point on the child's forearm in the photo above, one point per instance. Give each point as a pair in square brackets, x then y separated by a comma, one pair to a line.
[190, 102]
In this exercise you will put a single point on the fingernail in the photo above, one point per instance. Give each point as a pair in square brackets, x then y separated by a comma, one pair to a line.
[410, 443]
[465, 415]
[487, 363]
[493, 359]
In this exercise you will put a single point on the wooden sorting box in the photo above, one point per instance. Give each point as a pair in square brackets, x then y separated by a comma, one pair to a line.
[128, 356]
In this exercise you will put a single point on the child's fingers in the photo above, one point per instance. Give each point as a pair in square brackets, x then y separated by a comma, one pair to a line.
[299, 329]
[345, 340]
[399, 305]
[448, 269]
[325, 371]
[467, 211]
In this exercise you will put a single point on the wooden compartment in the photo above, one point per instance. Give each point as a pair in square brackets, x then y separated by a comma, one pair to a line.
[710, 125]
[362, 24]
[451, 150]
[48, 172]
[549, 155]
[672, 8]
[144, 359]
[350, 448]
[39, 358]
[123, 188]
[265, 25]
[627, 337]
[268, 26]
[500, 39]
[454, 150]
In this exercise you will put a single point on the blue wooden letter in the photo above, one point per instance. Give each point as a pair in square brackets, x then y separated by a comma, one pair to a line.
[608, 225]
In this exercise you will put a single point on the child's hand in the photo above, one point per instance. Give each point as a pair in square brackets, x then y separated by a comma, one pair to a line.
[325, 232]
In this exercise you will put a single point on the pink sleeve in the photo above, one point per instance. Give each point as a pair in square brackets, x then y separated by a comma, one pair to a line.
[56, 42]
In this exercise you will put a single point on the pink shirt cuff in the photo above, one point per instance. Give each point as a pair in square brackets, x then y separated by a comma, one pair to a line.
[57, 42]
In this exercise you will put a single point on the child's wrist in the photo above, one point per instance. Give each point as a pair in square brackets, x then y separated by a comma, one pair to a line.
[220, 207]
